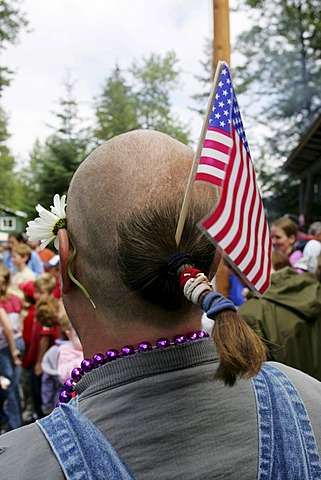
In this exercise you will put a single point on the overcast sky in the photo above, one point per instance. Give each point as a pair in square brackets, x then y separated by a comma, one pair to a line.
[87, 38]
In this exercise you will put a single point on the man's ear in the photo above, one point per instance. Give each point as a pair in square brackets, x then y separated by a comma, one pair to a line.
[64, 253]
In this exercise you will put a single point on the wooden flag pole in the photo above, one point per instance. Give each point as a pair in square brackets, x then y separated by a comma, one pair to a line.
[221, 37]
[192, 175]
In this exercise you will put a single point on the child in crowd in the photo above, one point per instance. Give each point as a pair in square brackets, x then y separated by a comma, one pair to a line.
[42, 336]
[35, 264]
[11, 348]
[30, 306]
[57, 363]
[9, 368]
[21, 254]
[53, 267]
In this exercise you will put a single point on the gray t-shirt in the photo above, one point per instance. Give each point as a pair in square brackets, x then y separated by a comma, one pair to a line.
[167, 418]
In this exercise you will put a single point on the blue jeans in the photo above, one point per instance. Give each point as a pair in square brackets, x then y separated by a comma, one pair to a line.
[287, 446]
[83, 452]
[12, 406]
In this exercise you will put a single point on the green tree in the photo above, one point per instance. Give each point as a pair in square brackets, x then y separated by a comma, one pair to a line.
[142, 100]
[12, 20]
[155, 79]
[282, 70]
[53, 164]
[115, 108]
[7, 162]
[11, 23]
[205, 79]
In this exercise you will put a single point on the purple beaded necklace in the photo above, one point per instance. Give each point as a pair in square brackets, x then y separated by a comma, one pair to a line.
[99, 359]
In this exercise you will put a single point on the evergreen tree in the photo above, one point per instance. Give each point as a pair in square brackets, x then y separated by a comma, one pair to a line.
[12, 20]
[155, 79]
[115, 108]
[7, 162]
[141, 101]
[282, 71]
[11, 23]
[205, 79]
[53, 164]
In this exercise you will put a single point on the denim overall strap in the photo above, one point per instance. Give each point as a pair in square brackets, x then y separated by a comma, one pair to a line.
[82, 451]
[287, 446]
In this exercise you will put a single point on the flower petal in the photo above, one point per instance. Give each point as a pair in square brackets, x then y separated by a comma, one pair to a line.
[46, 242]
[48, 216]
[59, 207]
[56, 243]
[43, 226]
[39, 208]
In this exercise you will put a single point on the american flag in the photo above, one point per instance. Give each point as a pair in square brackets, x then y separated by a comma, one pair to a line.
[238, 224]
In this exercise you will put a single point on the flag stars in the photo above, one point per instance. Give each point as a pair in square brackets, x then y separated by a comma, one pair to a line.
[221, 104]
[225, 113]
[222, 124]
[217, 115]
[225, 92]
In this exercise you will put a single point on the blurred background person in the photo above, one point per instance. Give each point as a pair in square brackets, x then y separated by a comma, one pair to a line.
[45, 254]
[58, 362]
[10, 369]
[288, 317]
[284, 237]
[311, 250]
[35, 263]
[52, 267]
[45, 331]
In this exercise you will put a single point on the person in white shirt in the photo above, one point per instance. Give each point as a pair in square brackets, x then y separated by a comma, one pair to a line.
[312, 250]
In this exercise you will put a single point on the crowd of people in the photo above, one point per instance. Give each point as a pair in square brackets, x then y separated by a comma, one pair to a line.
[38, 346]
[156, 395]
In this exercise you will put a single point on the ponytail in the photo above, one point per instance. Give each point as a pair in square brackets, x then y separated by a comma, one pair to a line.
[241, 351]
[157, 271]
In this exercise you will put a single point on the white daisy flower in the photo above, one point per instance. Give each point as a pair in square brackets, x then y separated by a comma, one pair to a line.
[45, 227]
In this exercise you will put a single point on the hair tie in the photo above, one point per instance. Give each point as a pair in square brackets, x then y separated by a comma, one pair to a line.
[194, 283]
[186, 275]
[215, 303]
[176, 260]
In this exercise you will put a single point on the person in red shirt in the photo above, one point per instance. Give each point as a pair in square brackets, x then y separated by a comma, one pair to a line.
[10, 360]
[41, 339]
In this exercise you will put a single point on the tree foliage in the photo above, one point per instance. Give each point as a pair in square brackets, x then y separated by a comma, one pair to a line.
[282, 67]
[142, 100]
[53, 163]
[116, 110]
[7, 162]
[12, 21]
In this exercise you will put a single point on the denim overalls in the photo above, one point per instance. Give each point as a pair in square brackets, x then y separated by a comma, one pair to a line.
[287, 447]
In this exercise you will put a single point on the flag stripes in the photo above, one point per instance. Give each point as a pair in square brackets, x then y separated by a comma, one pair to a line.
[214, 157]
[238, 224]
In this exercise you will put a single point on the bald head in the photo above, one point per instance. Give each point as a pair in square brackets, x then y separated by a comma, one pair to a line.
[128, 172]
[131, 173]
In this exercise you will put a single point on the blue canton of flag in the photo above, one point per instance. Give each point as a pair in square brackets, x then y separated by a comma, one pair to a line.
[218, 138]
